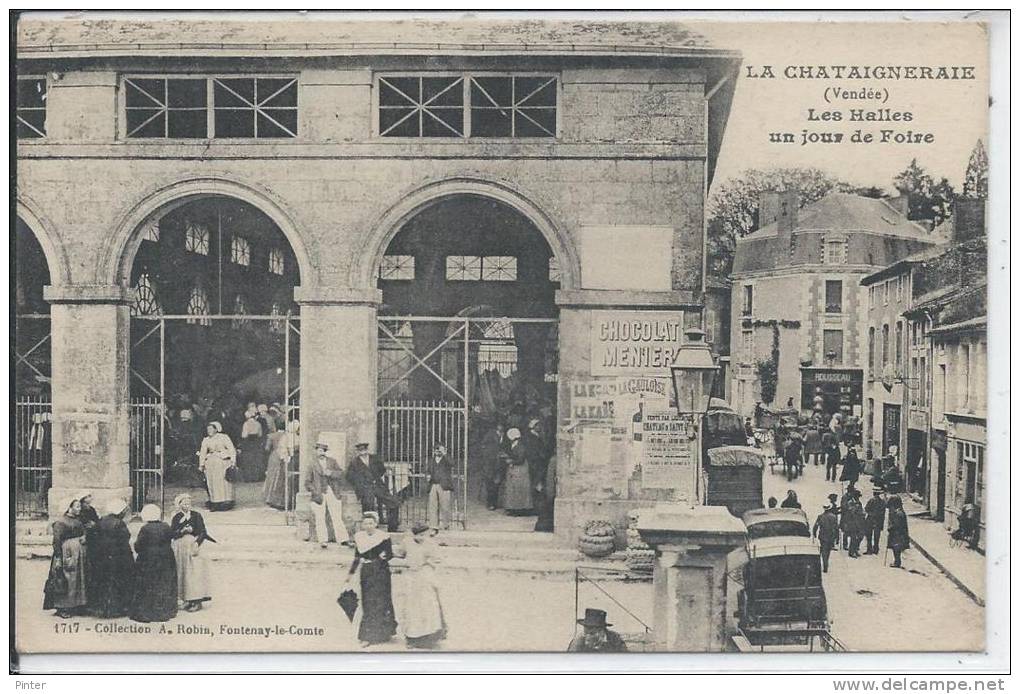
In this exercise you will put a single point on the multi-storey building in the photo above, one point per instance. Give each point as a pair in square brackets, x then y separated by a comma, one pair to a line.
[950, 310]
[455, 200]
[797, 310]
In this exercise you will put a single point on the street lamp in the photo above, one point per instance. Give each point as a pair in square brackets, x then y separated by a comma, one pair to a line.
[694, 374]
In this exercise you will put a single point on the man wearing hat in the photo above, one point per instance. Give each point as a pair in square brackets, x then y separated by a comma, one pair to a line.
[597, 636]
[367, 474]
[440, 477]
[325, 482]
[874, 513]
[826, 529]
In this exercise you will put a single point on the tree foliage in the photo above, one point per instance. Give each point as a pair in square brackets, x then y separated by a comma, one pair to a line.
[734, 207]
[928, 201]
[975, 181]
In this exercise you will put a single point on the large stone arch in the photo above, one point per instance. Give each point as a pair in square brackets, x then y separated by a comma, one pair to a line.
[363, 271]
[119, 252]
[56, 259]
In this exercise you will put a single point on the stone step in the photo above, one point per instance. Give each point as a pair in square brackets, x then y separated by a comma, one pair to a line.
[560, 564]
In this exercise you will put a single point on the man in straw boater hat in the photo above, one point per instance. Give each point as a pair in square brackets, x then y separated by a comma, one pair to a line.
[367, 474]
[325, 482]
[597, 637]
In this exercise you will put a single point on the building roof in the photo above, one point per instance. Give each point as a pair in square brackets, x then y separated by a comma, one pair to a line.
[325, 32]
[849, 212]
[901, 265]
[877, 234]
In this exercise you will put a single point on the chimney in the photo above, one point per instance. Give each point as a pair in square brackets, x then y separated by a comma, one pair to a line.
[787, 213]
[768, 208]
[901, 203]
[968, 219]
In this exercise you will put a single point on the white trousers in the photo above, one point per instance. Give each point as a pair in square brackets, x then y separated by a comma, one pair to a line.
[439, 507]
[332, 504]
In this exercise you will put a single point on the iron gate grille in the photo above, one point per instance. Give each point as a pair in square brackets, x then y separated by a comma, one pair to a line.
[443, 357]
[33, 461]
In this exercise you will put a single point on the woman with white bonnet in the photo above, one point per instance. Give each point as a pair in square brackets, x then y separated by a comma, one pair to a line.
[155, 594]
[216, 456]
[188, 529]
[65, 584]
[517, 488]
[112, 561]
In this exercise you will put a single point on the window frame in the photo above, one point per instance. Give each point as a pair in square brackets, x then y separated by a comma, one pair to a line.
[240, 249]
[210, 107]
[481, 268]
[841, 244]
[406, 261]
[465, 76]
[207, 243]
[825, 295]
[276, 252]
[45, 109]
[839, 359]
[747, 300]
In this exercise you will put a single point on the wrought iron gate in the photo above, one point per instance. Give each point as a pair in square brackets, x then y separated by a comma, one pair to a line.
[156, 453]
[435, 356]
[146, 412]
[33, 451]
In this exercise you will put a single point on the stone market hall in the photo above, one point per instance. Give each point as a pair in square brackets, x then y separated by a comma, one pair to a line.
[397, 232]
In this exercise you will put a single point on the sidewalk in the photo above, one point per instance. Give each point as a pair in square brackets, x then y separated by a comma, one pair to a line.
[964, 567]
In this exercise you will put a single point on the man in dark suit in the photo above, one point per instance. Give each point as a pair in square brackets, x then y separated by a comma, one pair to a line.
[875, 516]
[826, 529]
[325, 482]
[440, 480]
[367, 474]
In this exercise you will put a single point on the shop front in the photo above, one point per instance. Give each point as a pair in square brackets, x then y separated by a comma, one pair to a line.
[839, 390]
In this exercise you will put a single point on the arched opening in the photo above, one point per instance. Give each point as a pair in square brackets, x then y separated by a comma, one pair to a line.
[32, 374]
[214, 330]
[468, 342]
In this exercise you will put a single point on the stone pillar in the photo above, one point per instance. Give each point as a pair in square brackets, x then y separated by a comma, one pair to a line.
[597, 452]
[338, 374]
[689, 580]
[90, 337]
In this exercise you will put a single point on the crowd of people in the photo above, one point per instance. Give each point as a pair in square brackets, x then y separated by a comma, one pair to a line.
[253, 444]
[518, 465]
[846, 521]
[93, 570]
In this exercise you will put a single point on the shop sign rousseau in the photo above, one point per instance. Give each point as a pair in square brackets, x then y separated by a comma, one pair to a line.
[634, 342]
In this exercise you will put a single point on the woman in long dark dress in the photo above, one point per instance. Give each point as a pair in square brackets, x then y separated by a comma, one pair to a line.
[898, 537]
[113, 563]
[89, 517]
[155, 593]
[65, 588]
[373, 550]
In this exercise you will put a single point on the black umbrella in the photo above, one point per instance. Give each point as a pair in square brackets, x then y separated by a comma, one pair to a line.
[348, 602]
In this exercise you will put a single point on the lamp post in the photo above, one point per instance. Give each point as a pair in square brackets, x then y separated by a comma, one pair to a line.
[693, 374]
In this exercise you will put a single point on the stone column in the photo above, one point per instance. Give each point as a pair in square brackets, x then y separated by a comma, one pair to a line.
[691, 597]
[90, 336]
[338, 374]
[592, 398]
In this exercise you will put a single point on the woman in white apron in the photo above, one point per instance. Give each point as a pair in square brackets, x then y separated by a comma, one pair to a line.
[216, 456]
[189, 534]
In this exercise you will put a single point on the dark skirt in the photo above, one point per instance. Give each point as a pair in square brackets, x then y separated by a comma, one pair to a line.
[378, 623]
[155, 594]
[111, 589]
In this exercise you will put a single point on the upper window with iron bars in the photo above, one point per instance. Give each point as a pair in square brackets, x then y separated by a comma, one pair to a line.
[462, 105]
[31, 107]
[191, 107]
